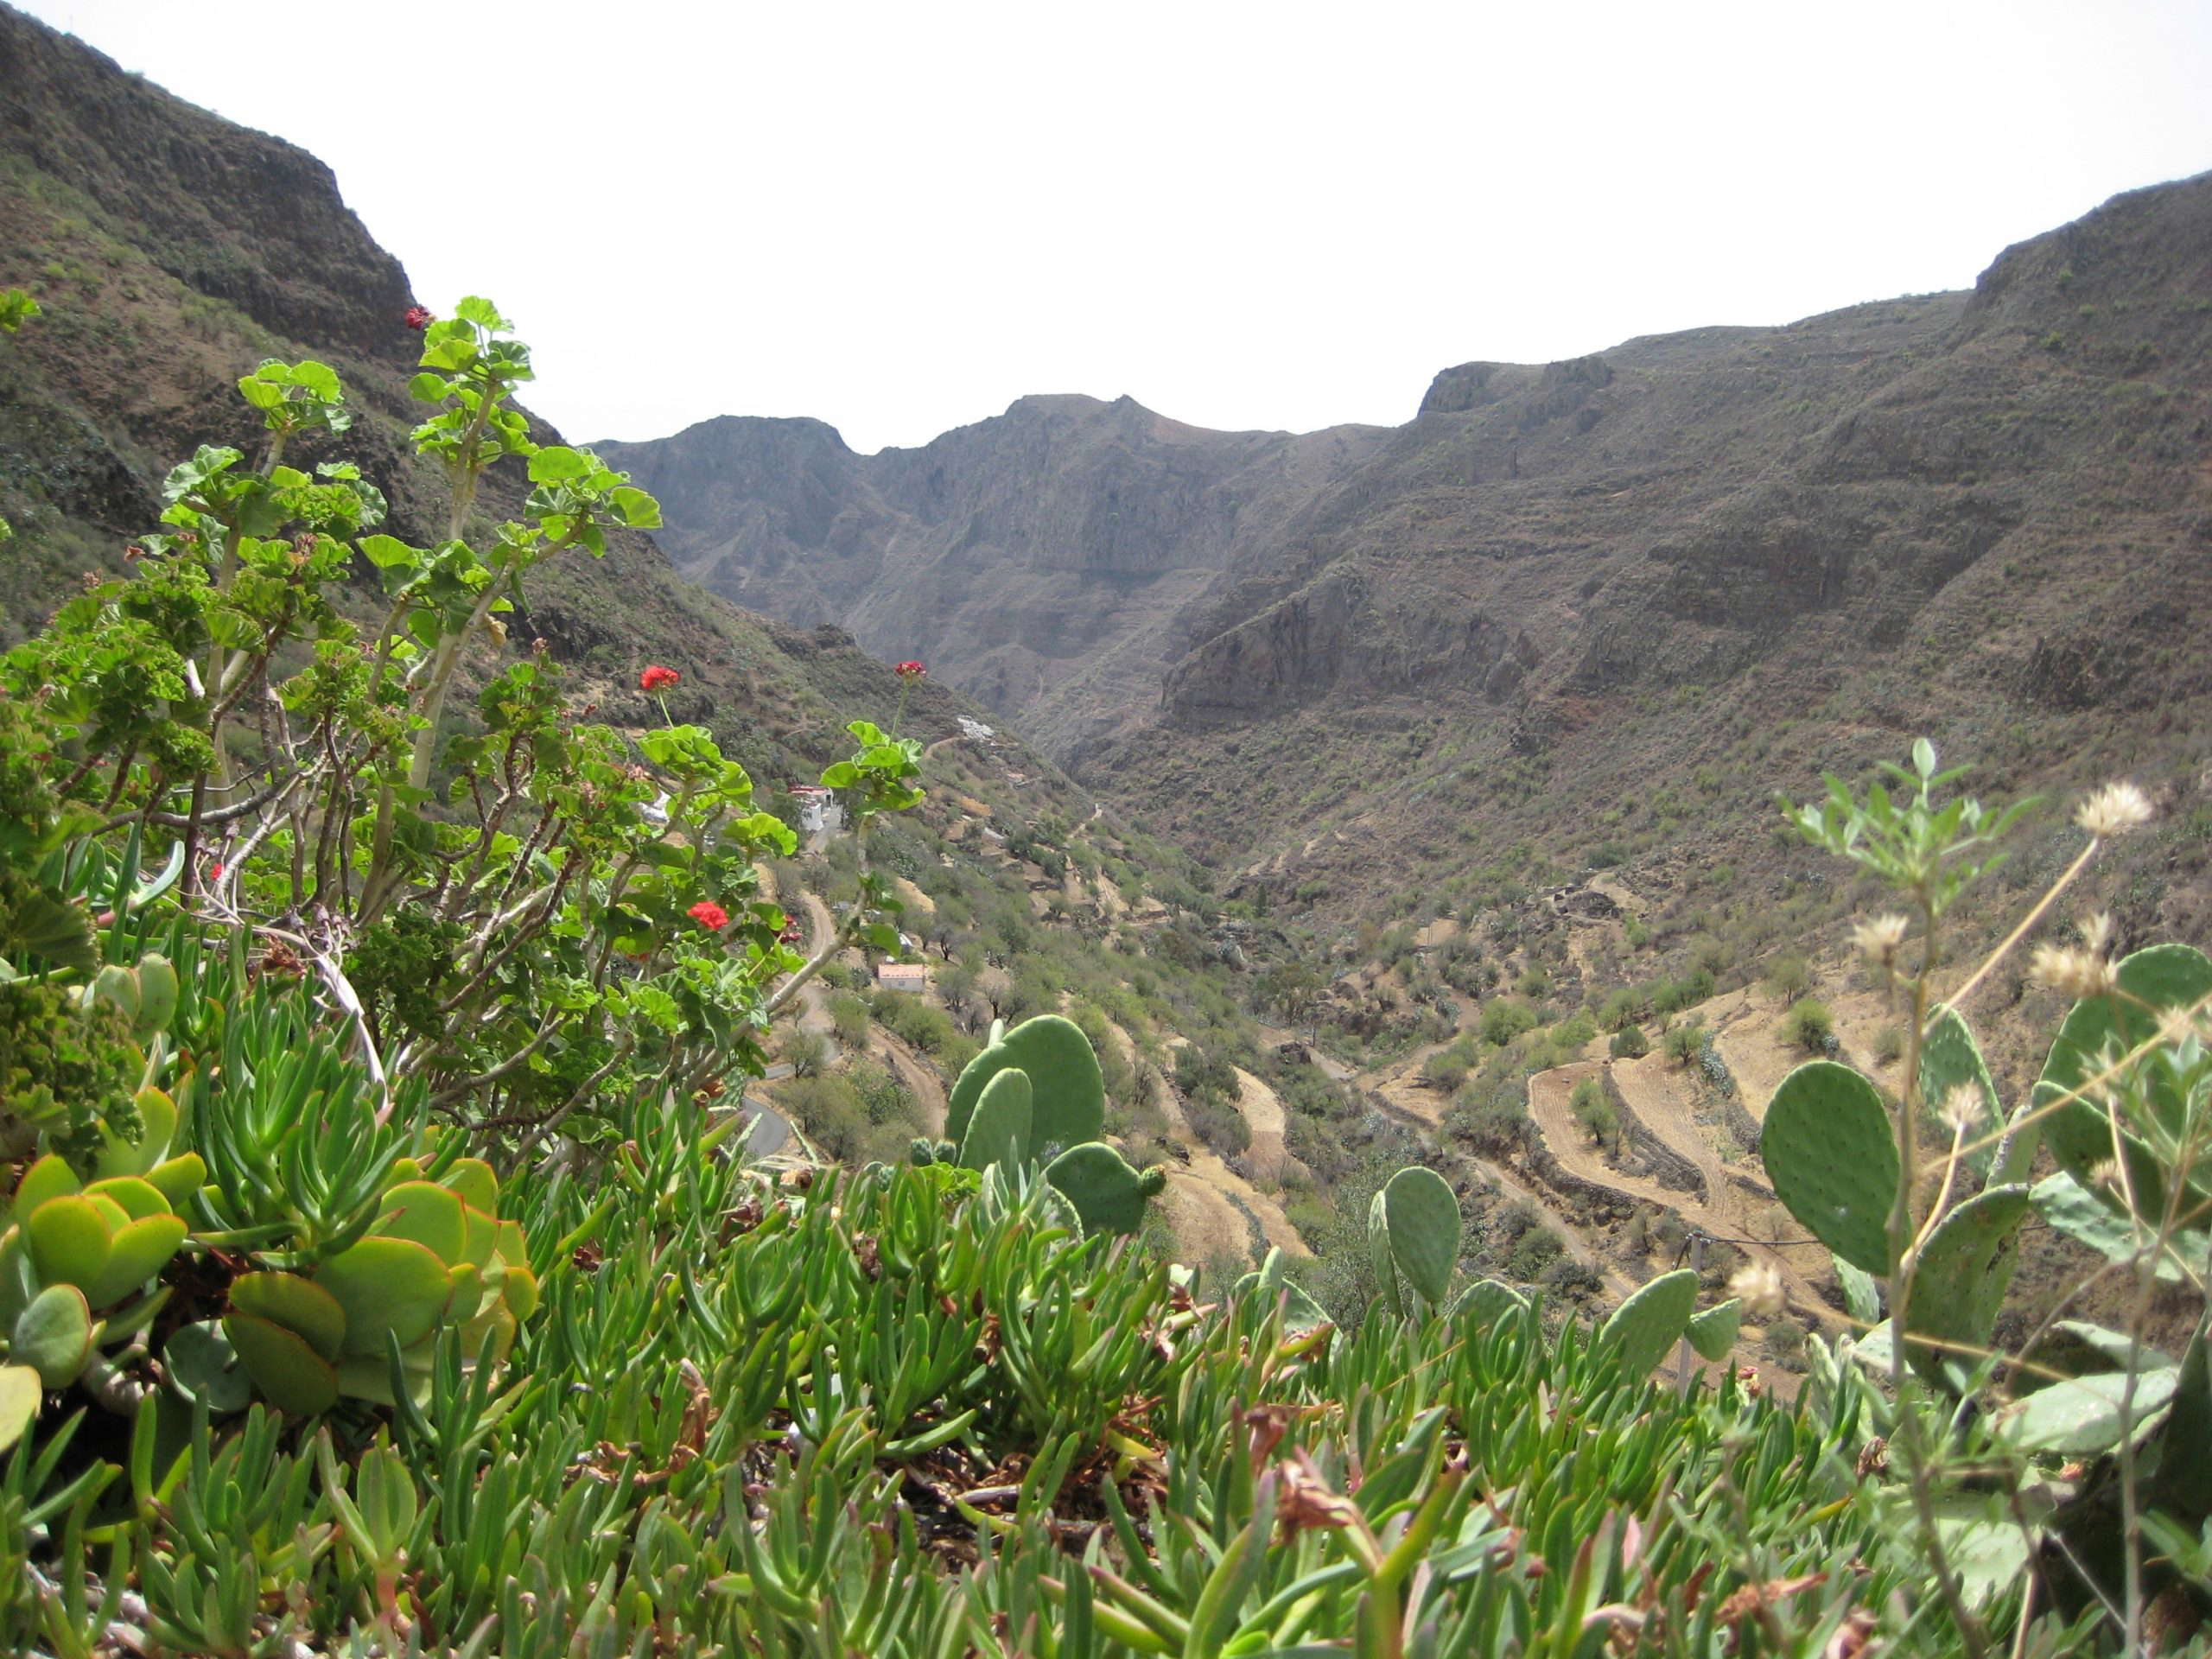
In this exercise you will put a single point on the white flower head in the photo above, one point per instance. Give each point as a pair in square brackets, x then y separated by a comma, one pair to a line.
[2096, 932]
[1878, 940]
[1961, 1107]
[1759, 1286]
[2069, 968]
[2114, 810]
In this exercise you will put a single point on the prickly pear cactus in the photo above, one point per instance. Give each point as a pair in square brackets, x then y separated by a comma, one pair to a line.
[1959, 1286]
[1300, 1313]
[998, 1129]
[1379, 1256]
[1713, 1332]
[1068, 1100]
[1950, 1058]
[1421, 1216]
[2152, 982]
[1829, 1151]
[1105, 1191]
[1643, 1328]
[1487, 1301]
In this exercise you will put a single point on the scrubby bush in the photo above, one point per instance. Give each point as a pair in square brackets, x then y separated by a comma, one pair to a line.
[1681, 1043]
[1629, 1043]
[1593, 1111]
[1788, 977]
[1502, 1021]
[1809, 1025]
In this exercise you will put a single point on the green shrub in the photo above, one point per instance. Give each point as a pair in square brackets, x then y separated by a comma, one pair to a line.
[1630, 1043]
[1502, 1021]
[1593, 1111]
[1809, 1024]
[1537, 1250]
[1681, 1043]
[1787, 978]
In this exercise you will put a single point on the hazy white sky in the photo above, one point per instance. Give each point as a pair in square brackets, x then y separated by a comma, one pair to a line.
[900, 217]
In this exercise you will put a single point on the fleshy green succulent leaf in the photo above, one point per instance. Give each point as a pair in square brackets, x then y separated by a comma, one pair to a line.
[2083, 1412]
[1960, 1286]
[138, 1199]
[53, 1335]
[300, 1306]
[1097, 1181]
[998, 1128]
[360, 1378]
[157, 1128]
[49, 1178]
[20, 1391]
[1652, 1321]
[157, 994]
[136, 1253]
[387, 1286]
[2151, 983]
[177, 1179]
[1833, 1157]
[1713, 1332]
[429, 1214]
[69, 1240]
[475, 1183]
[203, 1365]
[483, 1236]
[1424, 1221]
[290, 1374]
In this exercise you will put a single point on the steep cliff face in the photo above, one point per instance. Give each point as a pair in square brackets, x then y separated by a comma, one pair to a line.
[172, 251]
[1044, 561]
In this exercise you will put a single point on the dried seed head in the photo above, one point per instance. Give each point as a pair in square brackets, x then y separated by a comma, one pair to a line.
[1759, 1286]
[2114, 810]
[1961, 1107]
[2069, 968]
[2096, 932]
[1878, 940]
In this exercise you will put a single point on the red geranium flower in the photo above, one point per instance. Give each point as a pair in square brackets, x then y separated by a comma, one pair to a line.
[657, 678]
[709, 915]
[909, 670]
[419, 318]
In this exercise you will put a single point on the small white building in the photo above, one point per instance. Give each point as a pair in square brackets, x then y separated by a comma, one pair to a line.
[913, 977]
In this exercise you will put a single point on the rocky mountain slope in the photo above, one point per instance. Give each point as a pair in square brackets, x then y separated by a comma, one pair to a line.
[1048, 560]
[171, 251]
[1560, 593]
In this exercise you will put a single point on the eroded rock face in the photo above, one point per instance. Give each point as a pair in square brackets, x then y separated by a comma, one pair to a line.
[238, 215]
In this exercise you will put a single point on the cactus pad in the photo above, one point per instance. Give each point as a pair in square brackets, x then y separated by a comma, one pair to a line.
[1960, 1284]
[1487, 1301]
[1378, 1254]
[1422, 1216]
[2152, 981]
[1097, 1181]
[1950, 1058]
[998, 1129]
[1068, 1102]
[1643, 1328]
[1833, 1157]
[1713, 1332]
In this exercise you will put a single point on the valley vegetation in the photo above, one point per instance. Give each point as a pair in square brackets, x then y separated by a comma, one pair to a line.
[384, 1270]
